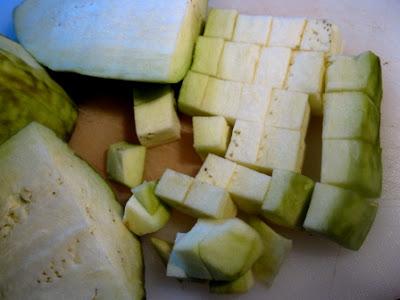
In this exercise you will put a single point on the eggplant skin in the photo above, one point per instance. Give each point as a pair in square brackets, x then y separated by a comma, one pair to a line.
[148, 41]
[27, 93]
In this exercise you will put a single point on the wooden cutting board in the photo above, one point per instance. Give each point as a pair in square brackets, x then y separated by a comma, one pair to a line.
[316, 268]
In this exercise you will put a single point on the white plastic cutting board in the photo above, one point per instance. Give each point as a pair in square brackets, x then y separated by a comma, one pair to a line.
[316, 268]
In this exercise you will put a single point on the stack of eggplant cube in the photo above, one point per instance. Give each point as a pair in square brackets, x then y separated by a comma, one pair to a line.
[254, 83]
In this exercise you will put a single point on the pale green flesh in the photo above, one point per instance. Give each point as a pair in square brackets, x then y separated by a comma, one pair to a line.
[350, 115]
[356, 73]
[230, 234]
[287, 199]
[125, 163]
[221, 23]
[112, 41]
[192, 94]
[340, 215]
[69, 222]
[252, 29]
[146, 196]
[175, 266]
[27, 94]
[195, 197]
[238, 62]
[156, 120]
[352, 164]
[208, 201]
[138, 220]
[202, 254]
[188, 251]
[276, 248]
[173, 187]
[207, 54]
[210, 135]
[240, 285]
[216, 171]
[306, 75]
[163, 249]
[248, 188]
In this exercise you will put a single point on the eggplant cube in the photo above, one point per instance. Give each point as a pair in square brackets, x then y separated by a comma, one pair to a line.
[173, 187]
[340, 215]
[306, 75]
[238, 62]
[350, 115]
[206, 200]
[211, 135]
[254, 102]
[289, 110]
[287, 199]
[273, 66]
[286, 32]
[245, 141]
[352, 164]
[216, 171]
[125, 163]
[356, 73]
[322, 35]
[248, 188]
[157, 122]
[280, 148]
[192, 94]
[222, 98]
[207, 54]
[221, 23]
[244, 244]
[252, 29]
[140, 221]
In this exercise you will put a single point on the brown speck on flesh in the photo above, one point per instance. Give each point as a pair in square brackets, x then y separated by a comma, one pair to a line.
[38, 281]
